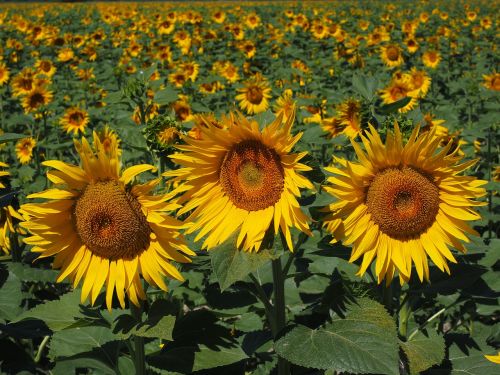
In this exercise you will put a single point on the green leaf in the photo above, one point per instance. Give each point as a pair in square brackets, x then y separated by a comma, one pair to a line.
[10, 298]
[79, 340]
[424, 352]
[9, 137]
[187, 359]
[473, 364]
[393, 107]
[158, 324]
[59, 314]
[27, 273]
[365, 86]
[231, 265]
[364, 342]
[166, 96]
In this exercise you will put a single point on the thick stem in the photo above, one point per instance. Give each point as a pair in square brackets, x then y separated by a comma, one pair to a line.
[279, 309]
[139, 357]
[268, 308]
[404, 315]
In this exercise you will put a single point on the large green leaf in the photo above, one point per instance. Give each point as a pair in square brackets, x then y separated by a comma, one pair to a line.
[393, 107]
[365, 86]
[27, 273]
[166, 96]
[8, 137]
[424, 352]
[362, 343]
[78, 340]
[187, 359]
[58, 314]
[231, 265]
[10, 298]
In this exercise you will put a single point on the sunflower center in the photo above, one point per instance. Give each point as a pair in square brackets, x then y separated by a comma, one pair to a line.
[76, 117]
[36, 100]
[403, 202]
[110, 222]
[252, 176]
[254, 95]
[392, 53]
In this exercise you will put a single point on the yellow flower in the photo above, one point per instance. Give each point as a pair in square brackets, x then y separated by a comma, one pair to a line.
[109, 141]
[242, 179]
[45, 67]
[65, 54]
[411, 45]
[391, 55]
[402, 203]
[4, 74]
[36, 98]
[24, 149]
[397, 90]
[253, 98]
[74, 120]
[100, 243]
[420, 82]
[349, 116]
[285, 105]
[492, 81]
[431, 58]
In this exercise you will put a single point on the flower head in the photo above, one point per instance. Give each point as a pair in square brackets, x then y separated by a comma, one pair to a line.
[402, 203]
[103, 244]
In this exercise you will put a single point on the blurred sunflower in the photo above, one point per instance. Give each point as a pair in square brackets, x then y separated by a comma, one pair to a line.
[492, 81]
[411, 45]
[431, 58]
[45, 67]
[402, 203]
[74, 120]
[420, 81]
[242, 179]
[397, 90]
[349, 116]
[4, 74]
[391, 55]
[7, 216]
[24, 149]
[285, 105]
[36, 98]
[109, 141]
[23, 82]
[254, 96]
[102, 243]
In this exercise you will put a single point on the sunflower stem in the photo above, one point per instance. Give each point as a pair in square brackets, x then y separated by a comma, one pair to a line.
[139, 357]
[404, 314]
[268, 308]
[42, 346]
[279, 309]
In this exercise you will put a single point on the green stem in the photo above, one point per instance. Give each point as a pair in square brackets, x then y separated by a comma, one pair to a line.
[279, 309]
[139, 357]
[404, 315]
[39, 353]
[268, 308]
[387, 296]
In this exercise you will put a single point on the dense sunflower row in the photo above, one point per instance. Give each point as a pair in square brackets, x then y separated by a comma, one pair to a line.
[216, 125]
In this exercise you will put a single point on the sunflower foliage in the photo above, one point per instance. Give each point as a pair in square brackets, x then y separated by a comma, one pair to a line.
[249, 188]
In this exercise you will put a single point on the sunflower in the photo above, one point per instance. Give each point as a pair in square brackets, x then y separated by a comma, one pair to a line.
[431, 58]
[411, 45]
[492, 81]
[397, 90]
[74, 120]
[7, 215]
[65, 54]
[4, 74]
[391, 55]
[240, 178]
[23, 82]
[24, 149]
[285, 105]
[102, 243]
[45, 67]
[36, 98]
[254, 96]
[349, 115]
[420, 82]
[332, 126]
[109, 141]
[402, 203]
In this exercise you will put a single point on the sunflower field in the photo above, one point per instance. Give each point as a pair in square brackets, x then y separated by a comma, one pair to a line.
[250, 188]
